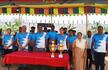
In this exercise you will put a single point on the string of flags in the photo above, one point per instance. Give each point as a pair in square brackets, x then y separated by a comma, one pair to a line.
[53, 11]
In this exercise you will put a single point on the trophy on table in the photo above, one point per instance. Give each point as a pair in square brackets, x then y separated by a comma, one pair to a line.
[52, 49]
[61, 49]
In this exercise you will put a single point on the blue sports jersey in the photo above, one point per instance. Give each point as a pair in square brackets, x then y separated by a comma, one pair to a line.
[71, 39]
[16, 37]
[40, 39]
[7, 39]
[51, 35]
[23, 38]
[31, 36]
[62, 38]
[100, 42]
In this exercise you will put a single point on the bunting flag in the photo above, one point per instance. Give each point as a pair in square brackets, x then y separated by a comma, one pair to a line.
[60, 10]
[41, 11]
[81, 10]
[98, 10]
[9, 10]
[0, 10]
[27, 10]
[36, 11]
[70, 11]
[46, 11]
[54, 11]
[51, 11]
[22, 10]
[92, 9]
[4, 10]
[65, 10]
[32, 11]
[76, 10]
[103, 10]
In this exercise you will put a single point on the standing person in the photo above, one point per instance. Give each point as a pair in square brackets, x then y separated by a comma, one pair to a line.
[39, 40]
[15, 45]
[7, 42]
[89, 55]
[31, 36]
[61, 37]
[22, 41]
[70, 41]
[79, 52]
[39, 44]
[99, 45]
[50, 36]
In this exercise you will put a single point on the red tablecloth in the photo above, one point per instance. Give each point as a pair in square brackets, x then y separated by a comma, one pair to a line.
[37, 58]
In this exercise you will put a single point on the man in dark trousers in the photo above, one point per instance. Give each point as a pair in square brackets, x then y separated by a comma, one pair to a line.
[99, 45]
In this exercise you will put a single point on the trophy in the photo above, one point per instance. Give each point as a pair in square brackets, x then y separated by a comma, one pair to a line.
[61, 49]
[52, 48]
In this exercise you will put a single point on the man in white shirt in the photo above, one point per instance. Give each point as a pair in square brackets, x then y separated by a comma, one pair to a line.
[89, 55]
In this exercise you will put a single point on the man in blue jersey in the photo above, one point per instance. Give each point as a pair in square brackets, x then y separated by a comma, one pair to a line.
[99, 45]
[62, 38]
[31, 36]
[89, 60]
[22, 39]
[70, 40]
[39, 40]
[15, 45]
[7, 42]
[50, 36]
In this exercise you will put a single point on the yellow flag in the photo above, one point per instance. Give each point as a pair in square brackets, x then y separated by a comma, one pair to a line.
[81, 10]
[0, 10]
[9, 10]
[55, 11]
[32, 11]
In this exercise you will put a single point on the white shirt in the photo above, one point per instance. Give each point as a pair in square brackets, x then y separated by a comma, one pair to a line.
[89, 41]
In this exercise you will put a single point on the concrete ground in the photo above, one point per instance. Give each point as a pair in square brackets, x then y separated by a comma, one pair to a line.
[30, 67]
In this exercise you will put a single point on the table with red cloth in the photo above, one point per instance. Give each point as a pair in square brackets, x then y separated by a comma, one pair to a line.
[37, 58]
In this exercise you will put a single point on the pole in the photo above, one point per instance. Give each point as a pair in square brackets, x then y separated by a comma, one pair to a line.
[86, 22]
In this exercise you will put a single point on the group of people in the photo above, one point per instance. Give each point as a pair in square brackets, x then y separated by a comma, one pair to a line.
[82, 51]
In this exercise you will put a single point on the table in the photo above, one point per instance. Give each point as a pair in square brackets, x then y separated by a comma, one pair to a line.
[37, 58]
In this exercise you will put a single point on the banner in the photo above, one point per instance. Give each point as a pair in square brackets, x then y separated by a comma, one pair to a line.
[54, 11]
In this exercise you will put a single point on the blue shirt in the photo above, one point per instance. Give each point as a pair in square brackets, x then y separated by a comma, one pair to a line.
[7, 39]
[16, 37]
[51, 35]
[23, 38]
[100, 41]
[31, 36]
[62, 39]
[71, 39]
[40, 39]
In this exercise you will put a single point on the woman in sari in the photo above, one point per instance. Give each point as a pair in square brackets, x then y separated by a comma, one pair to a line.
[79, 53]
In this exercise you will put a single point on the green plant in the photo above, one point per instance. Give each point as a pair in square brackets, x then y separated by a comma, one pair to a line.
[13, 26]
[95, 26]
[70, 26]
